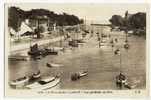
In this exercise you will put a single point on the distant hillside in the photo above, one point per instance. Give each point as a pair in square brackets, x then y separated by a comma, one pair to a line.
[17, 15]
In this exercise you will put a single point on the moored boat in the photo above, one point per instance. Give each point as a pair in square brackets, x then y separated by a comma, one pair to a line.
[83, 73]
[19, 83]
[78, 75]
[49, 51]
[18, 58]
[45, 83]
[121, 81]
[73, 43]
[117, 51]
[34, 51]
[126, 46]
[53, 65]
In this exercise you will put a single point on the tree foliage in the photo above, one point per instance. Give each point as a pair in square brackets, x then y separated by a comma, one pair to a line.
[16, 16]
[137, 21]
[117, 20]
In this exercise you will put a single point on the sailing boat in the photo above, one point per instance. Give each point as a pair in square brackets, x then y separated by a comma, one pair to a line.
[103, 38]
[34, 51]
[92, 30]
[76, 41]
[83, 72]
[126, 45]
[121, 79]
[77, 75]
[55, 50]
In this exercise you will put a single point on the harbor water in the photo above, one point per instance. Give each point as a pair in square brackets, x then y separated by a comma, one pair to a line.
[101, 62]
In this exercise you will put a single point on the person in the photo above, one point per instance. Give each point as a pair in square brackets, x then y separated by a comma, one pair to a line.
[48, 65]
[122, 77]
[126, 41]
[99, 38]
[112, 45]
[117, 51]
[126, 45]
[116, 40]
[120, 80]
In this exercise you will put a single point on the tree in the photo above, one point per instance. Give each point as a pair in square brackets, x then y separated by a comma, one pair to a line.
[15, 17]
[138, 20]
[117, 20]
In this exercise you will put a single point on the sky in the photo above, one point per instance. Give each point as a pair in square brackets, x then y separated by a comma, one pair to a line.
[95, 13]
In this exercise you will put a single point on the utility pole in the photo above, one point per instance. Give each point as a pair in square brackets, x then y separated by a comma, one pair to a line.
[38, 32]
[18, 28]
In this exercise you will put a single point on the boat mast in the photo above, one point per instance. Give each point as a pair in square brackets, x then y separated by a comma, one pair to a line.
[91, 28]
[120, 63]
[126, 31]
[85, 24]
[61, 36]
[101, 33]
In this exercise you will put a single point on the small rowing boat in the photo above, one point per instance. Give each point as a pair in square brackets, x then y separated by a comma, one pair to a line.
[53, 65]
[19, 83]
[78, 75]
[45, 83]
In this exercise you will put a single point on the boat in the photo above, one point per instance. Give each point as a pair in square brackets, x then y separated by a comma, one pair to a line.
[80, 40]
[111, 41]
[19, 83]
[53, 65]
[73, 43]
[117, 51]
[121, 78]
[45, 83]
[18, 58]
[83, 73]
[48, 65]
[126, 46]
[78, 75]
[103, 35]
[58, 48]
[48, 51]
[121, 81]
[34, 51]
[116, 40]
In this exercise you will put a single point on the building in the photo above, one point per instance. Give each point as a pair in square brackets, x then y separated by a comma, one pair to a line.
[41, 22]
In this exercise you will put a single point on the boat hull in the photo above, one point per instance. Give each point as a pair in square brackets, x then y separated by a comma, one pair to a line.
[51, 85]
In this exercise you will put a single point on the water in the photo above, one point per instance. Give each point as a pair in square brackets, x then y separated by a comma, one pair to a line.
[101, 63]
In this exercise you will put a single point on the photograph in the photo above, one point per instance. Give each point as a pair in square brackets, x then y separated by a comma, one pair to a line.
[76, 48]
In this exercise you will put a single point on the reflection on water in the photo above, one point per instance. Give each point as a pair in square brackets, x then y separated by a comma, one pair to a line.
[101, 63]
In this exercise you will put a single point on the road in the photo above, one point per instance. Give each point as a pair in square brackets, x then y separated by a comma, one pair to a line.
[101, 63]
[26, 45]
